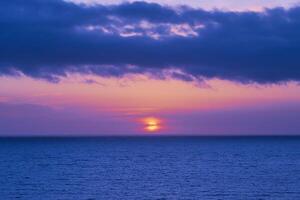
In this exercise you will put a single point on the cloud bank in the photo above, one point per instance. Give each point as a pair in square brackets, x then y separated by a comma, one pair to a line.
[50, 38]
[41, 120]
[38, 120]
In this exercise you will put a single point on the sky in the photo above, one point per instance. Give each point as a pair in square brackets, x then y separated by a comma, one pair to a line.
[236, 5]
[196, 67]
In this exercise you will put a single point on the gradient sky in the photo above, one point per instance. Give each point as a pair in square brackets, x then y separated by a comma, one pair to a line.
[106, 67]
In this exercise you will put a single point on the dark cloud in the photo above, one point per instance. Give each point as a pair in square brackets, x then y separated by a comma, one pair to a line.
[49, 38]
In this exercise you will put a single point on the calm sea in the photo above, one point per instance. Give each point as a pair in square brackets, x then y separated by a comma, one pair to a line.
[150, 168]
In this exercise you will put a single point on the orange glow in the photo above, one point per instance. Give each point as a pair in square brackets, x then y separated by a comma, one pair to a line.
[141, 95]
[152, 124]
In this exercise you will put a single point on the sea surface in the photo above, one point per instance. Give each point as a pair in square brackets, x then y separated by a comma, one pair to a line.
[150, 168]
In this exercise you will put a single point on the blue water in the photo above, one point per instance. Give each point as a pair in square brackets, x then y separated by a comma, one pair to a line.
[150, 168]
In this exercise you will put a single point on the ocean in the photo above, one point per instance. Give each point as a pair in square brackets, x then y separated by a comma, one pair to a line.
[150, 168]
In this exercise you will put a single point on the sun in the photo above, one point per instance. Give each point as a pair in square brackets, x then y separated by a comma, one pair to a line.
[152, 124]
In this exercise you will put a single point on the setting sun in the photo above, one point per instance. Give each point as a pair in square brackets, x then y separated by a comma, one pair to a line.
[152, 124]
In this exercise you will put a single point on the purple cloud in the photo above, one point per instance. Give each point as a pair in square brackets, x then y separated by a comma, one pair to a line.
[47, 39]
[32, 120]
